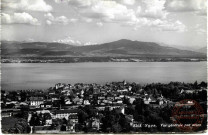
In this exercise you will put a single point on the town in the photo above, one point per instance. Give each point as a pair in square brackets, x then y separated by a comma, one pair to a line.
[115, 107]
[97, 59]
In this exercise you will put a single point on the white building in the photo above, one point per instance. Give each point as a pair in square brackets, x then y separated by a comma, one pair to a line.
[36, 101]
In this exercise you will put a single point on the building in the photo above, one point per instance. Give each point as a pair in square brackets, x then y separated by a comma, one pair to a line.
[86, 102]
[93, 124]
[60, 114]
[68, 101]
[60, 85]
[36, 101]
[46, 105]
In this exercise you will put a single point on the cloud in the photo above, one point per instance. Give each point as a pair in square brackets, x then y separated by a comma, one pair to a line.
[200, 29]
[30, 40]
[87, 20]
[28, 5]
[19, 18]
[108, 11]
[197, 6]
[152, 9]
[149, 13]
[128, 2]
[48, 22]
[174, 26]
[81, 3]
[58, 20]
[90, 43]
[73, 20]
[60, 1]
[158, 24]
[69, 40]
[100, 24]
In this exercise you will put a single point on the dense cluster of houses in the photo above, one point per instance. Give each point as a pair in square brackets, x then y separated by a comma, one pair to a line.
[63, 102]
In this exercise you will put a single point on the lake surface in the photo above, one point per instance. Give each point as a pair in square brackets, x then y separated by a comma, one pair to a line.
[16, 76]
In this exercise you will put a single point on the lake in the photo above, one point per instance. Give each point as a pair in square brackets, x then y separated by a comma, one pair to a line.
[16, 76]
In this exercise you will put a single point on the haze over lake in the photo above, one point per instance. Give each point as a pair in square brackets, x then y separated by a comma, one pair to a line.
[16, 76]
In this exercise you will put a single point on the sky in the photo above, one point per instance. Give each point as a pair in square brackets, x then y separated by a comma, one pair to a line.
[177, 23]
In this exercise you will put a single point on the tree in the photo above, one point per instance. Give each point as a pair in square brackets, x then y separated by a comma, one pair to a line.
[126, 101]
[124, 123]
[203, 84]
[129, 110]
[116, 128]
[23, 96]
[63, 128]
[139, 106]
[195, 85]
[20, 126]
[64, 121]
[13, 95]
[82, 116]
[35, 120]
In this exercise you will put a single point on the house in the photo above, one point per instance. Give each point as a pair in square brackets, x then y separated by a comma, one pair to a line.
[82, 93]
[93, 124]
[149, 99]
[160, 100]
[101, 107]
[121, 96]
[119, 101]
[36, 101]
[132, 99]
[67, 87]
[76, 100]
[86, 102]
[54, 97]
[48, 122]
[46, 105]
[47, 118]
[66, 92]
[73, 118]
[117, 98]
[101, 97]
[96, 91]
[68, 102]
[60, 114]
[130, 88]
[80, 102]
[72, 121]
[9, 112]
[122, 90]
[111, 98]
[60, 85]
[117, 106]
[42, 111]
[103, 90]
[51, 92]
[105, 101]
[110, 102]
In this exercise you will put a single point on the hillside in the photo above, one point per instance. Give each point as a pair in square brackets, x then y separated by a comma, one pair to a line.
[132, 48]
[202, 50]
[121, 48]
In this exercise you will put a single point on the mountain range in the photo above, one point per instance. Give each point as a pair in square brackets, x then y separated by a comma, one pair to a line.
[120, 48]
[202, 50]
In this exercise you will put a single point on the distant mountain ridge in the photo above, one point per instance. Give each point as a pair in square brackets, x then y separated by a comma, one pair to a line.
[202, 50]
[121, 48]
